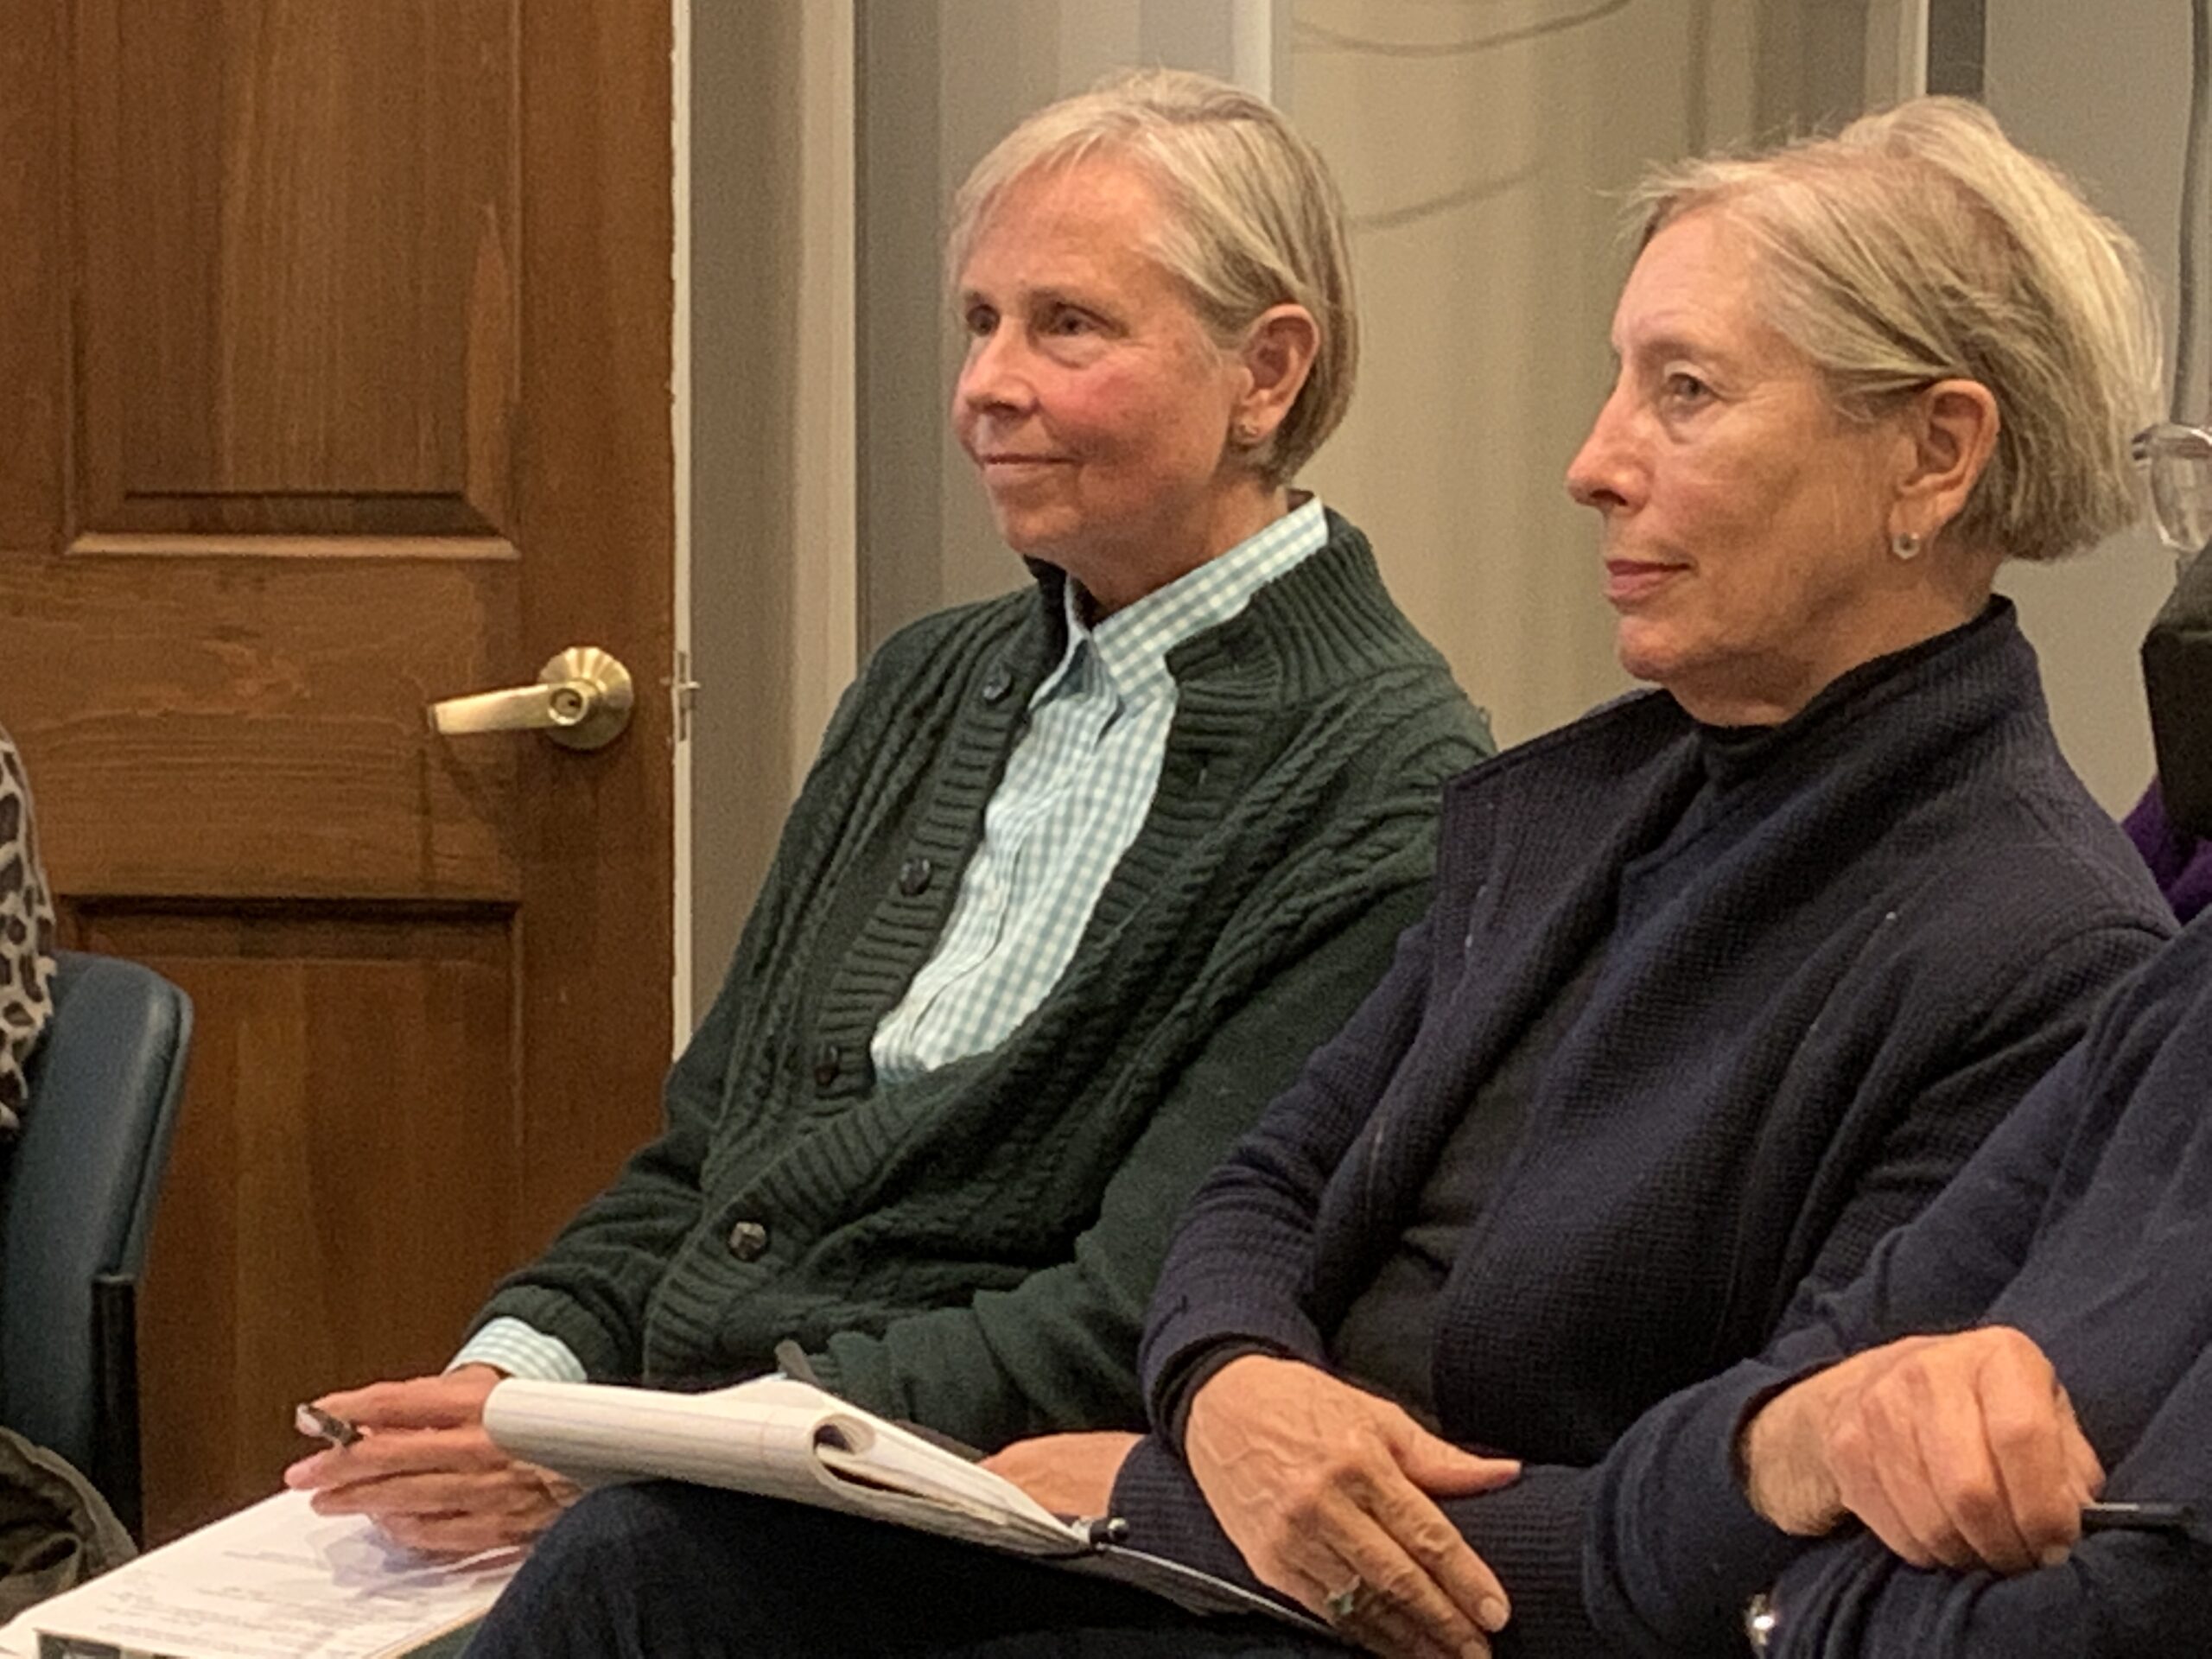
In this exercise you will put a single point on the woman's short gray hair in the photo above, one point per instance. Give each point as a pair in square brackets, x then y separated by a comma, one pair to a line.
[1920, 245]
[1254, 218]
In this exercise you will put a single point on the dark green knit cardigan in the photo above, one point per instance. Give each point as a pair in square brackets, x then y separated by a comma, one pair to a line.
[972, 1248]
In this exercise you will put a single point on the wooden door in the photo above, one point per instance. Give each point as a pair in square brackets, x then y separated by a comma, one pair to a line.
[334, 358]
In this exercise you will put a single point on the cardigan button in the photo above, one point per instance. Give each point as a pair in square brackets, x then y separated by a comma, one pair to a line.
[914, 876]
[997, 682]
[828, 1060]
[748, 1241]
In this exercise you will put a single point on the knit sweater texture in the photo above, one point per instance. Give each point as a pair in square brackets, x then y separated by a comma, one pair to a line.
[1834, 958]
[2082, 1222]
[972, 1248]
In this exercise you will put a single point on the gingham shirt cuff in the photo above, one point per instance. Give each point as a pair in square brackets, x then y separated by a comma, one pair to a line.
[521, 1350]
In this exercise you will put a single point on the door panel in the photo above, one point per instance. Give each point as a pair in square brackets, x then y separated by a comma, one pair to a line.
[335, 354]
[224, 693]
[297, 221]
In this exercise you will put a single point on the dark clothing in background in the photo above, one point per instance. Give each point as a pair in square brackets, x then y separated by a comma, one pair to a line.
[2181, 864]
[2082, 1222]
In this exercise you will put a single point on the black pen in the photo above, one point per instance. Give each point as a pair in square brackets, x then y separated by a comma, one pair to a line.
[324, 1425]
[2176, 1518]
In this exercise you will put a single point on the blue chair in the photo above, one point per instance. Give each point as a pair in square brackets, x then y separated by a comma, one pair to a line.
[77, 1193]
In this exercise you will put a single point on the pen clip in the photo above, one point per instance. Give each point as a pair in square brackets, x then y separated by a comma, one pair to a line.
[1100, 1530]
[2178, 1519]
[791, 1361]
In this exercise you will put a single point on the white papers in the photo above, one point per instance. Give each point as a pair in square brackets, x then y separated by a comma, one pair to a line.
[273, 1581]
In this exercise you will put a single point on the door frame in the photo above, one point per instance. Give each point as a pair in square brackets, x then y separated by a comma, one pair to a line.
[765, 435]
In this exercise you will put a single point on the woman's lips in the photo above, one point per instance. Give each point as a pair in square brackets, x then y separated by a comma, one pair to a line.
[1014, 471]
[1628, 581]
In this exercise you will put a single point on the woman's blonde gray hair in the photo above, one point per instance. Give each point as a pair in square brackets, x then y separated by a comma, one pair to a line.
[1253, 219]
[1920, 245]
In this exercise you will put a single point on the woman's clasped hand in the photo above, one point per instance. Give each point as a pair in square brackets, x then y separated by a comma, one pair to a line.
[1330, 1493]
[1959, 1450]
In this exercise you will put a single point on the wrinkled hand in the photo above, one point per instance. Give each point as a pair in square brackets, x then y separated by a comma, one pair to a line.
[1959, 1451]
[1323, 1488]
[426, 1472]
[1069, 1474]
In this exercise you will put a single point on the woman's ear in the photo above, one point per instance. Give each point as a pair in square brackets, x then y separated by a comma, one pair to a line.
[1277, 354]
[1952, 430]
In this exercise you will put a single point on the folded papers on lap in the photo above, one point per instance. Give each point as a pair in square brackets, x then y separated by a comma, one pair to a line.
[274, 1581]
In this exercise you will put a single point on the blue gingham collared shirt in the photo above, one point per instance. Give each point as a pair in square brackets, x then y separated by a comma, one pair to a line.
[1077, 788]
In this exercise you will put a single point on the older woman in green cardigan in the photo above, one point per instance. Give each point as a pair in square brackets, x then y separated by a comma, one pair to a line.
[1079, 877]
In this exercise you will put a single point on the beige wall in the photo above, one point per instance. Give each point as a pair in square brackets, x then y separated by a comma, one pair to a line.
[773, 640]
[2104, 91]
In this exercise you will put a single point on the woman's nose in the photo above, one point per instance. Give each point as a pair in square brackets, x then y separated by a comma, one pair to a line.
[993, 376]
[1600, 475]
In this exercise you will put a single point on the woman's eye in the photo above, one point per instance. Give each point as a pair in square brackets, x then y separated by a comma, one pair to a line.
[1065, 321]
[1684, 388]
[980, 321]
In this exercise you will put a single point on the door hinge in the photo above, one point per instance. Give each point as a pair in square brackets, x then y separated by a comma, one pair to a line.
[683, 695]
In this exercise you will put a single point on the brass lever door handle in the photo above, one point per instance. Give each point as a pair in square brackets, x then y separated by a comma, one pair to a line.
[582, 701]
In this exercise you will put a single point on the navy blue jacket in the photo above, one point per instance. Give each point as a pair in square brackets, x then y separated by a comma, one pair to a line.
[1833, 960]
[2086, 1221]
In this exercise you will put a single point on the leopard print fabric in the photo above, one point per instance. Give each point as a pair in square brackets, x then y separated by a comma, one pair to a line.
[26, 937]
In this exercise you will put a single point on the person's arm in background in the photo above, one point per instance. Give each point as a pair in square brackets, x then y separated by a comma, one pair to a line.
[2113, 1595]
[1675, 1544]
[2180, 863]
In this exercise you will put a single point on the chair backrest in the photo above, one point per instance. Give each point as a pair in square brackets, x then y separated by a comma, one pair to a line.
[77, 1192]
[2177, 674]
